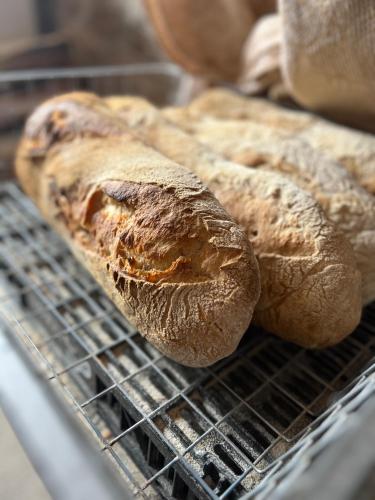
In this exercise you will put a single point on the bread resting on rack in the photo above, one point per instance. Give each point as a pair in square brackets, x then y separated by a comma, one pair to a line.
[147, 229]
[310, 286]
[345, 202]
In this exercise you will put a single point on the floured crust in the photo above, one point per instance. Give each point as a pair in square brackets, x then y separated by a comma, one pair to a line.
[310, 285]
[344, 201]
[152, 235]
[353, 149]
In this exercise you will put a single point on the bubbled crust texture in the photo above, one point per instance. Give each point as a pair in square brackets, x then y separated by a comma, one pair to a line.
[152, 235]
[310, 287]
[353, 149]
[344, 201]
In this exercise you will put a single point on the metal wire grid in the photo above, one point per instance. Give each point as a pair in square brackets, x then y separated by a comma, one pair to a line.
[313, 444]
[214, 432]
[163, 83]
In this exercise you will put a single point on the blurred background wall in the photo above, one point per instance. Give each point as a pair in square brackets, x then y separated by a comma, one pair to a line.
[17, 19]
[47, 33]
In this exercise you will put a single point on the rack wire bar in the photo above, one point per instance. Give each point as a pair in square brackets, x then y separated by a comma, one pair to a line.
[76, 470]
[226, 431]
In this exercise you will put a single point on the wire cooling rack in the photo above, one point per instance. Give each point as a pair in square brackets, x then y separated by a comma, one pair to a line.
[233, 429]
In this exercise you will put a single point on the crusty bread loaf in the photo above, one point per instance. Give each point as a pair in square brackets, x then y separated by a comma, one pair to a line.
[353, 149]
[310, 287]
[344, 201]
[152, 235]
[188, 31]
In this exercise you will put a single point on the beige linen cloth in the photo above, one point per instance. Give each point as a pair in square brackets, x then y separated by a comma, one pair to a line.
[323, 51]
[327, 57]
[319, 52]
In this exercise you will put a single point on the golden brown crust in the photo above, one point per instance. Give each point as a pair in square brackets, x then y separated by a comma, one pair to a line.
[353, 149]
[344, 201]
[153, 236]
[310, 285]
[203, 37]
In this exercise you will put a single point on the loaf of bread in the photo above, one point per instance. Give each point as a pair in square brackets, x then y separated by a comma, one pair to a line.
[148, 230]
[353, 149]
[188, 31]
[310, 286]
[344, 201]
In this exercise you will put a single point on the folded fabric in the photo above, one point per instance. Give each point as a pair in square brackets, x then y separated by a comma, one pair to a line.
[328, 57]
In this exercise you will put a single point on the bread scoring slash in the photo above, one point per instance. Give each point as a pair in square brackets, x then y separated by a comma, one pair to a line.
[147, 229]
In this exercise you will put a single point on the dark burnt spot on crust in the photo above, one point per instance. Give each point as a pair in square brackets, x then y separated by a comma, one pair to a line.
[120, 284]
[127, 192]
[127, 239]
